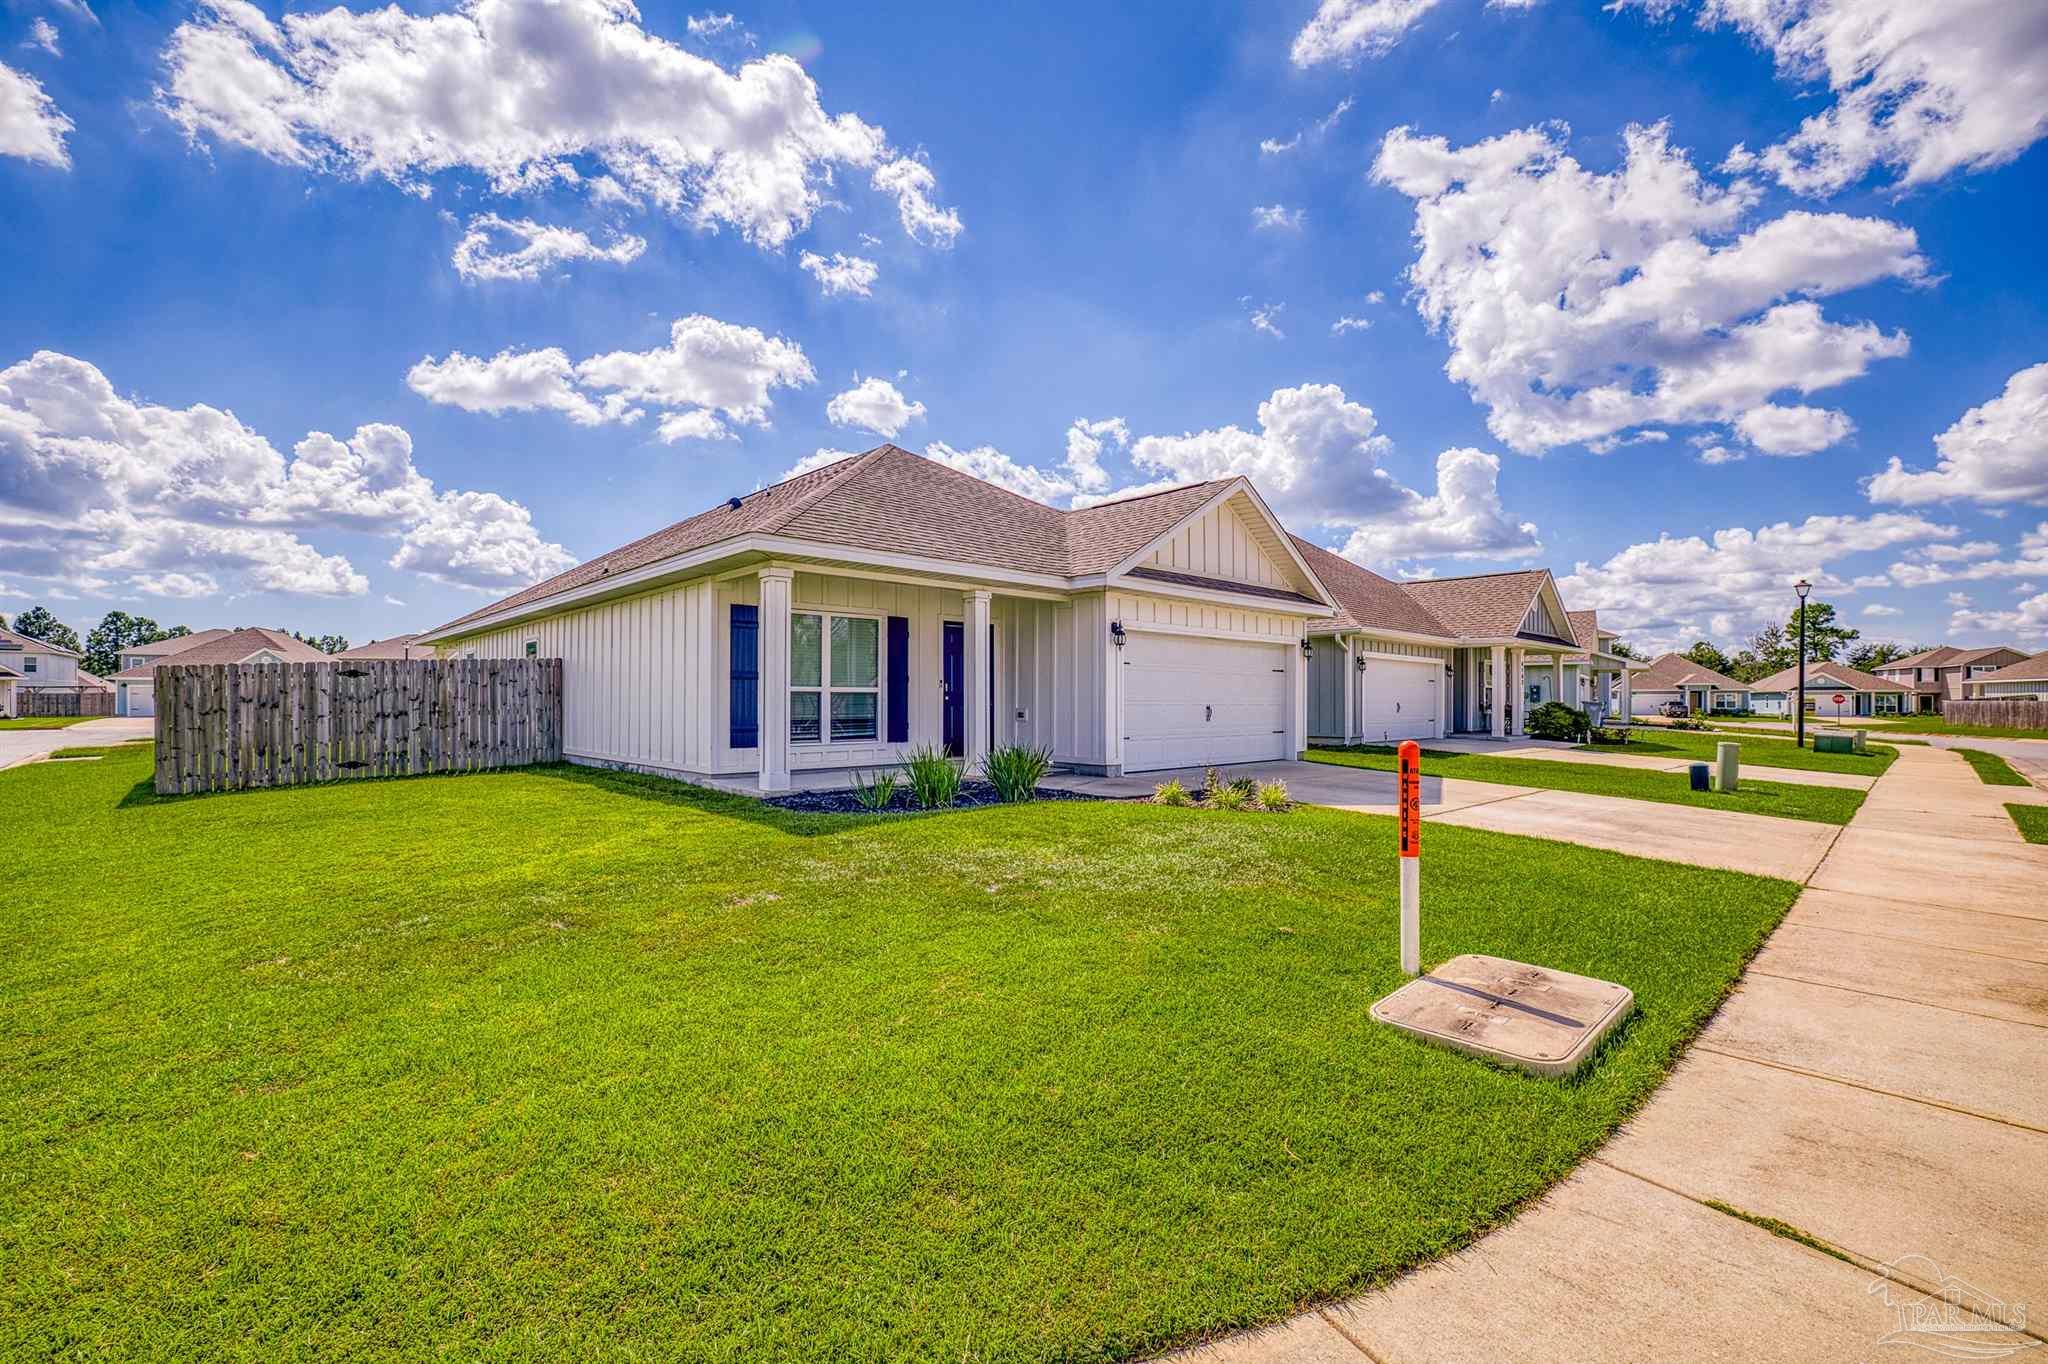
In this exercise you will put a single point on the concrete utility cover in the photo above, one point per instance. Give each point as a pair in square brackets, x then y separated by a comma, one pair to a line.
[1547, 1022]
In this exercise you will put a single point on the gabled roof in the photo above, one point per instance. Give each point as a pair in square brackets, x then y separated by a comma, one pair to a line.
[2033, 668]
[890, 501]
[1926, 658]
[1481, 605]
[231, 647]
[394, 647]
[1839, 676]
[1965, 657]
[7, 672]
[1670, 671]
[94, 681]
[11, 641]
[1365, 600]
[163, 648]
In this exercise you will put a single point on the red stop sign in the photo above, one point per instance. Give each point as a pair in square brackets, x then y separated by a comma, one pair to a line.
[1839, 698]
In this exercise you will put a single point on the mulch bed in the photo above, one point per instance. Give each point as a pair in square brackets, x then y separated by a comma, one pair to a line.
[973, 794]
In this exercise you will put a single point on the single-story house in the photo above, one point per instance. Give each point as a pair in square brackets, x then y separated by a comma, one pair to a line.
[135, 687]
[2024, 680]
[1833, 691]
[884, 602]
[1417, 660]
[400, 647]
[1597, 680]
[1934, 676]
[1674, 677]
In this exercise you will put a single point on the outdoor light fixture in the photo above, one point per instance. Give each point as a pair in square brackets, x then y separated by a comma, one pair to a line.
[1360, 660]
[1802, 587]
[1116, 632]
[1306, 651]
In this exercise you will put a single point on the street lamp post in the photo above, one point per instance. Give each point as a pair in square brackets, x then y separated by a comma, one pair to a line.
[1802, 587]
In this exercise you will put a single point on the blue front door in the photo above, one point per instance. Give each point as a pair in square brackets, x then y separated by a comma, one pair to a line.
[952, 687]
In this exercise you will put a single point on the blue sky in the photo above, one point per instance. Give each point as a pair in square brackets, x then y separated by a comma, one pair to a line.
[1059, 214]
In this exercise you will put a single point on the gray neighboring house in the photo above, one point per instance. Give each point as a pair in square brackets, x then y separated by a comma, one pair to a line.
[1674, 677]
[2026, 680]
[28, 665]
[1834, 691]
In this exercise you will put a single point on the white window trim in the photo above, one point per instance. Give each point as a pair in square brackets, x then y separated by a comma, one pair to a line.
[825, 689]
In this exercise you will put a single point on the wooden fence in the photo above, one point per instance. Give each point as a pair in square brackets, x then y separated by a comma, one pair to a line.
[40, 701]
[2015, 713]
[230, 726]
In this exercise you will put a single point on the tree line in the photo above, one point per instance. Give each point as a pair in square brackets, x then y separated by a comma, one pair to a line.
[101, 649]
[1776, 647]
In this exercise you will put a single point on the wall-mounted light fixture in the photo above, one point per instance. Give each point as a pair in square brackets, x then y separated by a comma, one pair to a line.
[1116, 632]
[1306, 650]
[1360, 661]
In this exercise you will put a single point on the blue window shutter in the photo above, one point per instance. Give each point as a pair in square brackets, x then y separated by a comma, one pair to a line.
[899, 679]
[746, 677]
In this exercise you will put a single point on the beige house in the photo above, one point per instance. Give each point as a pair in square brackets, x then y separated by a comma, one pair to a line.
[2024, 680]
[1674, 677]
[840, 619]
[400, 647]
[1934, 676]
[1834, 691]
[135, 685]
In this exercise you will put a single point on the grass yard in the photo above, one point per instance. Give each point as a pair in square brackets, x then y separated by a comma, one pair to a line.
[2032, 821]
[1935, 724]
[1991, 769]
[1820, 804]
[46, 721]
[562, 1064]
[1757, 750]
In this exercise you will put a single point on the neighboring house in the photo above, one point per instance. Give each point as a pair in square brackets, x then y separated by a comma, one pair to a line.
[8, 678]
[1935, 676]
[1859, 693]
[1674, 677]
[2025, 680]
[1418, 660]
[34, 665]
[1598, 680]
[399, 647]
[135, 687]
[885, 602]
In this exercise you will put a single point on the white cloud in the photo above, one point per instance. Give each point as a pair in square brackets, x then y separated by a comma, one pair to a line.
[817, 459]
[31, 125]
[480, 253]
[390, 600]
[1878, 610]
[1265, 320]
[1350, 324]
[43, 34]
[1781, 430]
[181, 586]
[1719, 454]
[1277, 218]
[1497, 96]
[1579, 304]
[1974, 562]
[1316, 131]
[987, 462]
[1464, 520]
[525, 94]
[1345, 30]
[1376, 297]
[2028, 620]
[841, 274]
[171, 498]
[1994, 453]
[479, 541]
[709, 25]
[1607, 445]
[1922, 89]
[1675, 589]
[1086, 440]
[1957, 599]
[709, 369]
[873, 405]
[79, 10]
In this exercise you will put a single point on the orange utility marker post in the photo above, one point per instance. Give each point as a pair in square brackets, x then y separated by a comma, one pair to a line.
[1411, 857]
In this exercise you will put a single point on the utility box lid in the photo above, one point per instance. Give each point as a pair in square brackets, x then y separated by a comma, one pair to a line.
[1547, 1022]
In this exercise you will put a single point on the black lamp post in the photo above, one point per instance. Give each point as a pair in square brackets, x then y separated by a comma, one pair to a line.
[1802, 587]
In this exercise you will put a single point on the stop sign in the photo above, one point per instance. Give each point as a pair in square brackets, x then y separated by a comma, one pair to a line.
[1839, 698]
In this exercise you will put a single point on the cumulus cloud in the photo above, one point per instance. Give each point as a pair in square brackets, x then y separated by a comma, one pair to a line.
[1994, 453]
[527, 94]
[1345, 30]
[1877, 610]
[711, 373]
[1350, 324]
[1792, 430]
[873, 405]
[1086, 441]
[841, 273]
[482, 253]
[1463, 520]
[1922, 90]
[987, 462]
[1579, 305]
[31, 125]
[95, 485]
[1974, 562]
[479, 540]
[2028, 620]
[1672, 590]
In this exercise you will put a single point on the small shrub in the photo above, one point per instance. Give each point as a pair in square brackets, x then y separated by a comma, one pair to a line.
[1556, 720]
[1609, 735]
[933, 779]
[1229, 796]
[1171, 792]
[1015, 770]
[874, 792]
[1273, 795]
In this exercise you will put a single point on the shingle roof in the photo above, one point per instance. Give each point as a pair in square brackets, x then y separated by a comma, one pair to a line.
[1926, 658]
[1965, 657]
[394, 647]
[1365, 600]
[232, 647]
[892, 501]
[177, 645]
[2033, 668]
[1671, 671]
[1838, 675]
[1167, 575]
[1480, 605]
[93, 680]
[40, 646]
[6, 671]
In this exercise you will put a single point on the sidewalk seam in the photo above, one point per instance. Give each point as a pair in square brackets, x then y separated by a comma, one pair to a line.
[1896, 999]
[1870, 1089]
[1912, 942]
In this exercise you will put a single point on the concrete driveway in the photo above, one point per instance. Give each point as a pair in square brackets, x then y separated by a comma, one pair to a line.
[26, 745]
[1759, 844]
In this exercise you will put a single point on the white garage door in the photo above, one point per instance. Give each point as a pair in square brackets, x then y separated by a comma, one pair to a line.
[139, 698]
[1190, 701]
[1399, 700]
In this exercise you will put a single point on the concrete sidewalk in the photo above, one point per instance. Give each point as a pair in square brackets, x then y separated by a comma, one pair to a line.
[26, 745]
[1874, 1084]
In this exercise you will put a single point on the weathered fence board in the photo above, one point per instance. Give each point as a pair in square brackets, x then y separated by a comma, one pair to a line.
[2013, 712]
[233, 726]
[53, 701]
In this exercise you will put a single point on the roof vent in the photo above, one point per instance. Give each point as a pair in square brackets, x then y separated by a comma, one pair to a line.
[733, 502]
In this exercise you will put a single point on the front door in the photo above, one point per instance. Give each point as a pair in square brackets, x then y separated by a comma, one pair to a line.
[952, 688]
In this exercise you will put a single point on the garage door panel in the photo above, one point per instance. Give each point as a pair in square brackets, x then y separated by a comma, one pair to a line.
[1401, 700]
[1189, 701]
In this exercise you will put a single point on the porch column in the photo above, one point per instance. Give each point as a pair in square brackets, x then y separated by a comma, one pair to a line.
[1500, 687]
[979, 675]
[1350, 690]
[773, 709]
[1518, 668]
[1297, 698]
[1557, 682]
[1626, 710]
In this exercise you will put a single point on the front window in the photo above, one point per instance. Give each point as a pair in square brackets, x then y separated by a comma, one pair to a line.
[28, 664]
[835, 676]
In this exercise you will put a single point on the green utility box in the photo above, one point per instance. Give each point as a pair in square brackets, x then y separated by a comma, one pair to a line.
[1834, 741]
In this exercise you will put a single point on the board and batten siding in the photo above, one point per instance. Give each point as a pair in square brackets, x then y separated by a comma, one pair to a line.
[1220, 544]
[1326, 674]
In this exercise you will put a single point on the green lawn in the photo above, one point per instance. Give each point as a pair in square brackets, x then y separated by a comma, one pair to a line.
[1992, 770]
[1935, 724]
[46, 721]
[1763, 752]
[559, 1064]
[2033, 821]
[1821, 804]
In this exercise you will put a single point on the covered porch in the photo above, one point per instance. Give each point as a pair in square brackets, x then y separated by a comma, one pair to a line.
[1495, 686]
